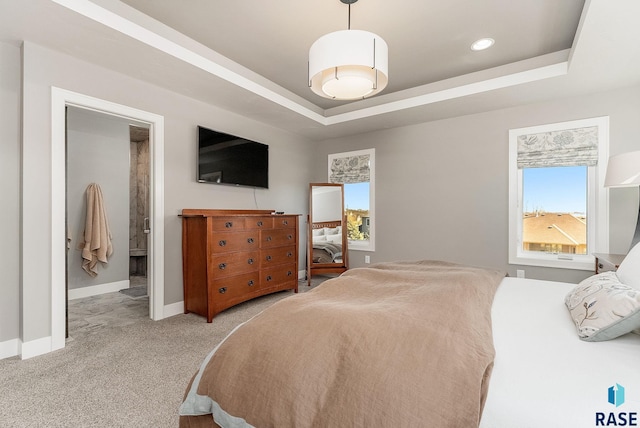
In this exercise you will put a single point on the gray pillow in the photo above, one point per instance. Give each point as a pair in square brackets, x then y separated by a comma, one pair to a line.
[603, 308]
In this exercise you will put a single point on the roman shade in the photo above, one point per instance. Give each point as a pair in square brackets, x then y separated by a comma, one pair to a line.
[350, 169]
[569, 147]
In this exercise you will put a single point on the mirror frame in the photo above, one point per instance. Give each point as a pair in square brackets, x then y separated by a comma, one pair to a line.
[323, 268]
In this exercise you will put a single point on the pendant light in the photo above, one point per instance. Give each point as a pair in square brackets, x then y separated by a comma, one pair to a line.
[348, 64]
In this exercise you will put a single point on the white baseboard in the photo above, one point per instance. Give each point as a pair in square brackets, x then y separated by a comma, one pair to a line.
[9, 348]
[302, 274]
[173, 309]
[36, 347]
[94, 290]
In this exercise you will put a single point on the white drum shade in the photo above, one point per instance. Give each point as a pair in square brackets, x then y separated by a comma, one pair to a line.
[348, 65]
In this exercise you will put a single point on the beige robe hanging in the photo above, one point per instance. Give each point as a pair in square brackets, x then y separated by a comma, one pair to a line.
[96, 245]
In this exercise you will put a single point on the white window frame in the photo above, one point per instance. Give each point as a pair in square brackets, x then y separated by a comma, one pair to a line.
[368, 245]
[597, 201]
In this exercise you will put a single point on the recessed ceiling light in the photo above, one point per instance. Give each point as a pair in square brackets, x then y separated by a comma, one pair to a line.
[482, 44]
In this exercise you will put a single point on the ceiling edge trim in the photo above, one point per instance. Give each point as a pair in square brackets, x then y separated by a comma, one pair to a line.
[514, 79]
[579, 31]
[138, 32]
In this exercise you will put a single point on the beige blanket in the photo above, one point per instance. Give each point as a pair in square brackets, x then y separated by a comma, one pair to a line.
[96, 243]
[394, 345]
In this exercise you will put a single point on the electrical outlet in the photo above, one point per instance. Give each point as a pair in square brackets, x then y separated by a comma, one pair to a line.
[520, 273]
[367, 259]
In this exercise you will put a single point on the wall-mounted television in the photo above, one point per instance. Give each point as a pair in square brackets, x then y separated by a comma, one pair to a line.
[228, 159]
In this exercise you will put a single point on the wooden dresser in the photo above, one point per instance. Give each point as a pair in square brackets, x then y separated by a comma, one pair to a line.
[231, 256]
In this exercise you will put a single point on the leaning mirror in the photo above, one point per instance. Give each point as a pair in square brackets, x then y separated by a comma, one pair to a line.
[327, 232]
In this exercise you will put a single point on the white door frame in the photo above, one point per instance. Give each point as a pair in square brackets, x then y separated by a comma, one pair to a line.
[60, 98]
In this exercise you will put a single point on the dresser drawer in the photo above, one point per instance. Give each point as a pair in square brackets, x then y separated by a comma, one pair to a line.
[259, 222]
[224, 265]
[272, 277]
[280, 222]
[605, 266]
[227, 224]
[232, 290]
[277, 256]
[277, 238]
[226, 242]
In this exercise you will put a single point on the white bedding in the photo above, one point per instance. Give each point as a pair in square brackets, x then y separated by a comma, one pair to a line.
[544, 375]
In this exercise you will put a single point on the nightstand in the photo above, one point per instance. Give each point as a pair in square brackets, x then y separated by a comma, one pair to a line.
[607, 262]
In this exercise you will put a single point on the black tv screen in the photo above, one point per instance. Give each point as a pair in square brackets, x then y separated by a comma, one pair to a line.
[227, 159]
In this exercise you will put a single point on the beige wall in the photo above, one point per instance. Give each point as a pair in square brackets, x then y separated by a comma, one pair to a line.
[441, 187]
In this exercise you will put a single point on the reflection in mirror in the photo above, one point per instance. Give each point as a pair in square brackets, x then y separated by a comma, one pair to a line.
[326, 225]
[327, 237]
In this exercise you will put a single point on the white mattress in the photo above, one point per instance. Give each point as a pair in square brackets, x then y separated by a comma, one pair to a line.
[544, 376]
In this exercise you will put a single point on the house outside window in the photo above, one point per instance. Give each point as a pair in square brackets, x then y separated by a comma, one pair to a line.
[556, 221]
[558, 206]
[356, 171]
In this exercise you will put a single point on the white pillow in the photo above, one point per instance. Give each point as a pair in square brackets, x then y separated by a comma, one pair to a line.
[603, 308]
[318, 232]
[319, 239]
[629, 270]
[333, 231]
[334, 239]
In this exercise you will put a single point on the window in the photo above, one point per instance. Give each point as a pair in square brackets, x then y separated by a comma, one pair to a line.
[558, 207]
[356, 170]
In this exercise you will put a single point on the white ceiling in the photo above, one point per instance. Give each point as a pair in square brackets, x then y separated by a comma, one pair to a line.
[250, 56]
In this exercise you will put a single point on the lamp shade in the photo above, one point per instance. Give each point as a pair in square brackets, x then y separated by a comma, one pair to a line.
[348, 65]
[623, 170]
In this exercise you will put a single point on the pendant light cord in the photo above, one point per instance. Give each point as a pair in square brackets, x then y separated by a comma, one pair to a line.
[349, 24]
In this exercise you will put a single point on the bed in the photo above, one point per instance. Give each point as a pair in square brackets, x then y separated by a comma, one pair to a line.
[327, 242]
[425, 343]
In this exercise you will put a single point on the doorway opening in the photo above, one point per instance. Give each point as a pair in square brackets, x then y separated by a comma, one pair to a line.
[107, 215]
[61, 99]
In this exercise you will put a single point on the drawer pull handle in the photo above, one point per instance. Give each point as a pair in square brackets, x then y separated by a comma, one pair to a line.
[289, 254]
[259, 224]
[269, 278]
[268, 258]
[285, 222]
[289, 237]
[228, 224]
[222, 242]
[222, 266]
[250, 240]
[250, 283]
[250, 261]
[269, 238]
[222, 290]
[288, 273]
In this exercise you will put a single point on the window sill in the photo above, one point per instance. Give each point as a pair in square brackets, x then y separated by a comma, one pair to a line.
[581, 262]
[359, 246]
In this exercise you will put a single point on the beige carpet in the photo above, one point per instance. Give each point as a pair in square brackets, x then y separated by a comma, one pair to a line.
[117, 372]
